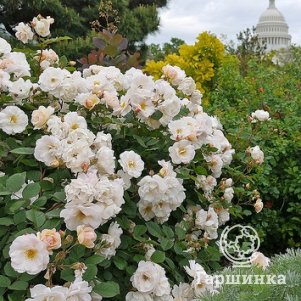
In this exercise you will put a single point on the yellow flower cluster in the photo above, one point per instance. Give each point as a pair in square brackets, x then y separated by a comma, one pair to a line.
[198, 61]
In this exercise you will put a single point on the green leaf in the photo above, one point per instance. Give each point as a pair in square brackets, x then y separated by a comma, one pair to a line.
[9, 271]
[37, 217]
[138, 231]
[180, 232]
[6, 221]
[23, 151]
[15, 182]
[201, 171]
[19, 286]
[67, 275]
[154, 229]
[157, 115]
[158, 257]
[166, 244]
[4, 281]
[59, 196]
[108, 289]
[120, 263]
[31, 190]
[94, 259]
[91, 272]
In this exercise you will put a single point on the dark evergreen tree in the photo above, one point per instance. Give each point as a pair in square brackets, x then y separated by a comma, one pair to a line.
[74, 17]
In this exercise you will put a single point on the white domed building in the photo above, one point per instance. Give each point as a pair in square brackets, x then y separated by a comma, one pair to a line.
[272, 29]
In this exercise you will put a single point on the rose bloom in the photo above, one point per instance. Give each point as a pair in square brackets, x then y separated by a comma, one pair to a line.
[41, 292]
[5, 47]
[258, 205]
[86, 236]
[29, 254]
[23, 32]
[257, 154]
[182, 152]
[150, 278]
[136, 296]
[13, 120]
[40, 116]
[260, 260]
[42, 25]
[260, 115]
[131, 163]
[51, 238]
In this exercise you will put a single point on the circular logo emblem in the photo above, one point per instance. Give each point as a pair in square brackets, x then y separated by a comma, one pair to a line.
[238, 243]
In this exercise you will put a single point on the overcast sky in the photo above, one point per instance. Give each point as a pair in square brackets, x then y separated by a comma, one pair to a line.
[185, 19]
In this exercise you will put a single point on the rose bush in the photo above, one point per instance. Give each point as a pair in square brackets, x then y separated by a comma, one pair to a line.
[111, 183]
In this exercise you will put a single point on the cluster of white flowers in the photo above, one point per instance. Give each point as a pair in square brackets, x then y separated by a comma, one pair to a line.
[77, 290]
[160, 194]
[39, 25]
[92, 200]
[96, 195]
[191, 133]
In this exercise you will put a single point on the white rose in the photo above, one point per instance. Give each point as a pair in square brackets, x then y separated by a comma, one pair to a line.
[40, 116]
[257, 154]
[187, 86]
[79, 290]
[260, 115]
[131, 163]
[105, 161]
[42, 25]
[42, 292]
[150, 278]
[28, 254]
[20, 89]
[137, 296]
[182, 152]
[13, 120]
[76, 215]
[23, 33]
[5, 47]
[48, 150]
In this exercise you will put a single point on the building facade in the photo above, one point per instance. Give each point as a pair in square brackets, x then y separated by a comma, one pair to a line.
[272, 29]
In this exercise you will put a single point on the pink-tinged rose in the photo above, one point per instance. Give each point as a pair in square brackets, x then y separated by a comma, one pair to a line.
[86, 236]
[51, 238]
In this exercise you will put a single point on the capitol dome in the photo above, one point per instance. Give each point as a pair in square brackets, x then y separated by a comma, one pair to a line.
[272, 29]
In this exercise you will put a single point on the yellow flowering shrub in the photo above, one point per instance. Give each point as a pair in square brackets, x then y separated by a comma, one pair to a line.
[199, 60]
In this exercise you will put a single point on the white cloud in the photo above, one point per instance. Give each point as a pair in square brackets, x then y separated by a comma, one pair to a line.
[185, 19]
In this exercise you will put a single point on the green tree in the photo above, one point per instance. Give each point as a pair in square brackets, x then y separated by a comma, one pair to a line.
[158, 52]
[74, 18]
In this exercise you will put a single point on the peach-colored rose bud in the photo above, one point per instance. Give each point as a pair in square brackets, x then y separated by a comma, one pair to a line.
[260, 260]
[258, 205]
[72, 63]
[51, 238]
[86, 236]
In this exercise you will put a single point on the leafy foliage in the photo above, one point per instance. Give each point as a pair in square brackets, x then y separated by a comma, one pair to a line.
[112, 51]
[286, 264]
[198, 61]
